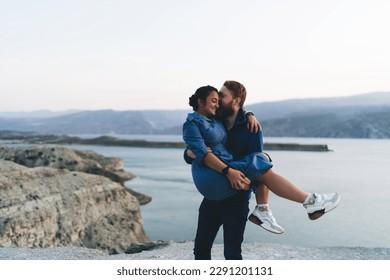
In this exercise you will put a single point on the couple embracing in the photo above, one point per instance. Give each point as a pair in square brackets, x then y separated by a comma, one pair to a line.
[225, 150]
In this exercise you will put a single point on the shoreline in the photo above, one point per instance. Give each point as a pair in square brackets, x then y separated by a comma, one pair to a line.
[118, 142]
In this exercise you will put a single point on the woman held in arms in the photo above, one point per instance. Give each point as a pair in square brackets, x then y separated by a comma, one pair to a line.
[202, 131]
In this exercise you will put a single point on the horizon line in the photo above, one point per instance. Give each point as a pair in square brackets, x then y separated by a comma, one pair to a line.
[183, 109]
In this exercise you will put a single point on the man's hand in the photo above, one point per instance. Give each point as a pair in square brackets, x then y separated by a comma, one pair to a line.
[190, 154]
[253, 124]
[238, 180]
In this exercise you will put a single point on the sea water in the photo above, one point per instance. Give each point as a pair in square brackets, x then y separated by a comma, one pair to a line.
[359, 169]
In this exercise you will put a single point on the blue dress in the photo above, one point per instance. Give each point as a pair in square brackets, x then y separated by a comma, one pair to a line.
[199, 133]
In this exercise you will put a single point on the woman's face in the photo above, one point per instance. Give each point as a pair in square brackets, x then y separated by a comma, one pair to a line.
[209, 108]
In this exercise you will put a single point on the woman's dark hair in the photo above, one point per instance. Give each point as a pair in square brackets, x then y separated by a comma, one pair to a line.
[201, 93]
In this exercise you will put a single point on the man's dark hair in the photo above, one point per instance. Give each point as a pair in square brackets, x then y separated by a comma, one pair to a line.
[237, 90]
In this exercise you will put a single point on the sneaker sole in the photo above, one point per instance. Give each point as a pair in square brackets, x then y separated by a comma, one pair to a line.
[258, 222]
[318, 214]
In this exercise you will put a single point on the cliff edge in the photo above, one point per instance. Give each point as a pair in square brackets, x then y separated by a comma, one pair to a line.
[46, 207]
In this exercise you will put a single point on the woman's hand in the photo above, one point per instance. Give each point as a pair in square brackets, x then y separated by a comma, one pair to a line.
[238, 180]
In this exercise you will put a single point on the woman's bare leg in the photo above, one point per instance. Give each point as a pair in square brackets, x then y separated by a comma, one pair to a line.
[282, 187]
[262, 215]
[316, 204]
[262, 194]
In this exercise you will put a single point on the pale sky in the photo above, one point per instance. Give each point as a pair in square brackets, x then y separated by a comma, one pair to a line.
[149, 54]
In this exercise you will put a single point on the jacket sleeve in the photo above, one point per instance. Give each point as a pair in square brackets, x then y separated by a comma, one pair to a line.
[194, 140]
[255, 142]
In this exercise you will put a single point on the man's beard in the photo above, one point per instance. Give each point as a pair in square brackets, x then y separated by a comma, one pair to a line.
[227, 111]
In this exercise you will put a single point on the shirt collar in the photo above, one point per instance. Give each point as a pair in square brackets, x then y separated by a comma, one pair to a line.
[196, 116]
[241, 118]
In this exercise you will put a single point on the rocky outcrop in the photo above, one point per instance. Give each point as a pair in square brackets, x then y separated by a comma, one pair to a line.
[60, 157]
[47, 207]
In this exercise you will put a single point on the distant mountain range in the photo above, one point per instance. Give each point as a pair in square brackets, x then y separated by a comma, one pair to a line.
[358, 116]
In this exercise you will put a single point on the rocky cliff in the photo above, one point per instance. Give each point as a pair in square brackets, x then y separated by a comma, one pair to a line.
[60, 157]
[50, 207]
[63, 158]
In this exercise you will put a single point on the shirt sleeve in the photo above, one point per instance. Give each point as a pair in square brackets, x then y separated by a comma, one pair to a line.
[255, 143]
[194, 140]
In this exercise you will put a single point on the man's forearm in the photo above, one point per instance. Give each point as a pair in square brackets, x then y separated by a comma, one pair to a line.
[211, 161]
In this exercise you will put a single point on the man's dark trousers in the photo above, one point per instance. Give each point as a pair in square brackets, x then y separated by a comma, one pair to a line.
[232, 214]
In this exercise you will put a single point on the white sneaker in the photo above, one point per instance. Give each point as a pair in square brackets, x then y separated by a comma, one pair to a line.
[263, 217]
[319, 204]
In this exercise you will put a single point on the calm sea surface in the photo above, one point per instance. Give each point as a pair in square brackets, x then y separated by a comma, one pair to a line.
[358, 169]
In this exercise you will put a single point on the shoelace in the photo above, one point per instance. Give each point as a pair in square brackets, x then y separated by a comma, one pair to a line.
[318, 197]
[269, 214]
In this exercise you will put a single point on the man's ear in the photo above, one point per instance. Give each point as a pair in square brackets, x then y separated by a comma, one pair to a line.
[237, 101]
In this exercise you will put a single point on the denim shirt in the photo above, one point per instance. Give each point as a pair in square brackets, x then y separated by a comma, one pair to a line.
[200, 132]
[240, 141]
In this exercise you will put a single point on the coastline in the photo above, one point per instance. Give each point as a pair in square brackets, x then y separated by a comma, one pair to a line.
[183, 251]
[118, 142]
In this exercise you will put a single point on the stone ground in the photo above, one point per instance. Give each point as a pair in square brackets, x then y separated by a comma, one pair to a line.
[183, 251]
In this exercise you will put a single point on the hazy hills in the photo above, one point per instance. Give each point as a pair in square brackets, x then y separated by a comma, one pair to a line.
[359, 116]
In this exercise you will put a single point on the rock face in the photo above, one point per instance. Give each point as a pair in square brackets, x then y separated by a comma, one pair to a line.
[59, 157]
[47, 207]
